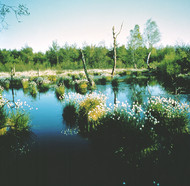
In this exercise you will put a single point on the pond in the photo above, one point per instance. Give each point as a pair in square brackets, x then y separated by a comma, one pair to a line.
[59, 156]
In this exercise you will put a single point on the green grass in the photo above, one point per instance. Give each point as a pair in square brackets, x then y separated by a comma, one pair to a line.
[59, 91]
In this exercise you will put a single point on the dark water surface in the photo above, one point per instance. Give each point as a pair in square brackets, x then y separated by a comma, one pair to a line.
[56, 159]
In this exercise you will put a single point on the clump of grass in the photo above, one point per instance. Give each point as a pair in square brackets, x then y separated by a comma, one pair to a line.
[75, 77]
[19, 121]
[5, 83]
[1, 90]
[16, 83]
[52, 78]
[122, 73]
[167, 116]
[38, 80]
[59, 91]
[60, 81]
[82, 75]
[33, 89]
[90, 110]
[25, 83]
[44, 86]
[67, 82]
[81, 86]
[3, 119]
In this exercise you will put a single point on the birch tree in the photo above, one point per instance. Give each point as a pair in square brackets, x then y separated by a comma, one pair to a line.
[135, 41]
[151, 36]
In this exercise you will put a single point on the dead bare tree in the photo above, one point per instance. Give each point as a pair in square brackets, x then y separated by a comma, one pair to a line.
[114, 47]
[85, 69]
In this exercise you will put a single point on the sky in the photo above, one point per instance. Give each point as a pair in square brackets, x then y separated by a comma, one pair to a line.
[90, 22]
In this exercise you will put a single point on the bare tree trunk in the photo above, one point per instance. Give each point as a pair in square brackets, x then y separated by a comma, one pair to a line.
[85, 69]
[14, 69]
[38, 72]
[114, 48]
[148, 60]
[114, 53]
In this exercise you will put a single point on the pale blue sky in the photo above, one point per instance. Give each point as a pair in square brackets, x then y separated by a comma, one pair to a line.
[91, 21]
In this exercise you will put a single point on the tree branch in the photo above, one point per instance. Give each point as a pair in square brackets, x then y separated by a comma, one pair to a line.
[120, 30]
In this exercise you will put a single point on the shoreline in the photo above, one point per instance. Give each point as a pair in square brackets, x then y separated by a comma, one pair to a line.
[32, 73]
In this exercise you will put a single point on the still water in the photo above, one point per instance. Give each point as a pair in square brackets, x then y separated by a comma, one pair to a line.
[57, 159]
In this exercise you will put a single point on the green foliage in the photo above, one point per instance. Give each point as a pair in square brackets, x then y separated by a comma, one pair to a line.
[25, 83]
[90, 110]
[44, 87]
[134, 130]
[168, 117]
[5, 83]
[81, 86]
[59, 91]
[19, 121]
[169, 65]
[151, 33]
[169, 60]
[16, 82]
[52, 78]
[33, 89]
[3, 116]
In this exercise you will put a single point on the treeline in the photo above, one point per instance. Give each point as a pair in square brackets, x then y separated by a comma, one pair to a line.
[170, 60]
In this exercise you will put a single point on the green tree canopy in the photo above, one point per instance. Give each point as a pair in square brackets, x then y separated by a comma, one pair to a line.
[151, 33]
